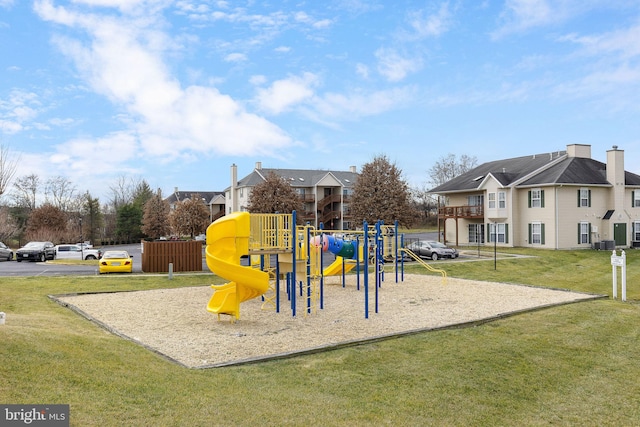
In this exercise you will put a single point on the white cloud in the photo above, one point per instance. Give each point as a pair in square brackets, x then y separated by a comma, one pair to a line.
[235, 57]
[395, 67]
[612, 71]
[80, 157]
[123, 61]
[625, 42]
[17, 110]
[336, 106]
[432, 25]
[10, 126]
[521, 15]
[362, 70]
[283, 94]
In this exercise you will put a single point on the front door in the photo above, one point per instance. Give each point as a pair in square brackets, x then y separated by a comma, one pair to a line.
[620, 233]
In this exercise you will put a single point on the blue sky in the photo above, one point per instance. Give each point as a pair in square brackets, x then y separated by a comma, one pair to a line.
[174, 92]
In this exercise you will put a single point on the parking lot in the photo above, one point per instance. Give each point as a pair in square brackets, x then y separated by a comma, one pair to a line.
[12, 268]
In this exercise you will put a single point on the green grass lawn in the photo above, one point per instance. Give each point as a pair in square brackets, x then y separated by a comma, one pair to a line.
[576, 364]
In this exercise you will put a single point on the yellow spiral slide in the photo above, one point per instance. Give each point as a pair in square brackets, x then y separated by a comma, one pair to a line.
[227, 242]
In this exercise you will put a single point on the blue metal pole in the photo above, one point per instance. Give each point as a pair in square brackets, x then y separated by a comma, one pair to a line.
[365, 227]
[294, 246]
[321, 268]
[277, 284]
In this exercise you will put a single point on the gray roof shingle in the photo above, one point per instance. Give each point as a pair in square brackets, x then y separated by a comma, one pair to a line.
[537, 170]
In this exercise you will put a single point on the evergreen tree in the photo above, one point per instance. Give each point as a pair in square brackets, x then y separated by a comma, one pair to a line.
[92, 218]
[128, 221]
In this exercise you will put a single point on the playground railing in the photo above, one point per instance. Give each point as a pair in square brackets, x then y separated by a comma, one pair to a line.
[425, 265]
[271, 232]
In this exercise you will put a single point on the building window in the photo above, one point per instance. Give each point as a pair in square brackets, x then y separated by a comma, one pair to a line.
[584, 198]
[536, 233]
[476, 200]
[502, 230]
[502, 200]
[536, 198]
[492, 200]
[584, 233]
[635, 199]
[476, 233]
[636, 231]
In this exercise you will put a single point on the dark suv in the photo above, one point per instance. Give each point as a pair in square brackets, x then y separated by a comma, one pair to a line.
[36, 251]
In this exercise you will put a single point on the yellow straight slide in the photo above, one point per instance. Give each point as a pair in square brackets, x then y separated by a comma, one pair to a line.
[227, 241]
[335, 267]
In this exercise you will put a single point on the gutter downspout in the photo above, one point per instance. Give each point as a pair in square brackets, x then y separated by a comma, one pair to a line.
[557, 215]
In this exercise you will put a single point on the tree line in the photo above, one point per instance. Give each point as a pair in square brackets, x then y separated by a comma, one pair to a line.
[135, 212]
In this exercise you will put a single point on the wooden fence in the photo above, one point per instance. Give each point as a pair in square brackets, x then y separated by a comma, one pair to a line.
[184, 255]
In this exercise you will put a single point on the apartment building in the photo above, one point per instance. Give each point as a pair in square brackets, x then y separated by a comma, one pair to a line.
[559, 200]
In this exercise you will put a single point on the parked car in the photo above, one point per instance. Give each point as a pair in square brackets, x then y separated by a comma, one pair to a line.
[76, 252]
[432, 249]
[116, 262]
[36, 251]
[5, 252]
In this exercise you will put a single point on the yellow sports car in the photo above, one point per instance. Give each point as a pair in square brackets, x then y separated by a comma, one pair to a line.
[116, 262]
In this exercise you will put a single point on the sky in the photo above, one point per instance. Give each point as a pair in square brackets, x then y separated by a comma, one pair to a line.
[175, 92]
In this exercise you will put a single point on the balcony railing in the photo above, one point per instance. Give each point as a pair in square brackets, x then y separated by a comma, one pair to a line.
[333, 198]
[461, 212]
[307, 197]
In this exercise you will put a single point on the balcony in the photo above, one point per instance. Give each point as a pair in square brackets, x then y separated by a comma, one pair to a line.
[333, 198]
[307, 197]
[461, 212]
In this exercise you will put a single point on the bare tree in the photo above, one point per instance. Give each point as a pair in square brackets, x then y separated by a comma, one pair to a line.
[25, 191]
[190, 217]
[449, 167]
[8, 164]
[61, 193]
[155, 221]
[125, 190]
[424, 202]
[380, 193]
[9, 227]
[274, 195]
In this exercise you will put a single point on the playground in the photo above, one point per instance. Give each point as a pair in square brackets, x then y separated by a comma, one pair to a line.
[174, 323]
[316, 308]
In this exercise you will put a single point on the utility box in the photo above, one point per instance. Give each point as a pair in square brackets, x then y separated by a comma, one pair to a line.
[184, 255]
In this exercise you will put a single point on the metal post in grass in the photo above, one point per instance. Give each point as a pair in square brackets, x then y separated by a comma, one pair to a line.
[495, 245]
